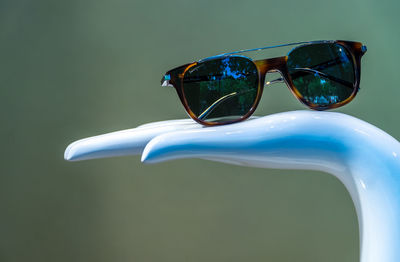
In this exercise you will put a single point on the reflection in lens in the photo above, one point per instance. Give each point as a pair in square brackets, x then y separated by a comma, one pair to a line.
[322, 73]
[221, 89]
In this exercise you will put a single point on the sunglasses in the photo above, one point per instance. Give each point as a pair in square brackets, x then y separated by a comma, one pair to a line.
[227, 88]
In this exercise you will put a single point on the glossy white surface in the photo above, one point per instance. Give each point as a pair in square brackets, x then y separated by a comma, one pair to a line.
[363, 157]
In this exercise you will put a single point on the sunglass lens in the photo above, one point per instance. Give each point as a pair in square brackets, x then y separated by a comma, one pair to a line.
[222, 89]
[322, 73]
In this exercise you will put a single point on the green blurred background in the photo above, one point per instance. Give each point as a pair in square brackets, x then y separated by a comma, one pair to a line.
[78, 68]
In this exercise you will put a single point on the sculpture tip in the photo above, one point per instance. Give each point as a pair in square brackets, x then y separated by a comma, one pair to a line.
[70, 152]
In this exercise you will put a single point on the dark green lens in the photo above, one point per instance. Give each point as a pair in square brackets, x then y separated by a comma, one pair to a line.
[221, 89]
[322, 73]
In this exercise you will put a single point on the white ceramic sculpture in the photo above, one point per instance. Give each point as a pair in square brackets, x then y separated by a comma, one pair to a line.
[363, 157]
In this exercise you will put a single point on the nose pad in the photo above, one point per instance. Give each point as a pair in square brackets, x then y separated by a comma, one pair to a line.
[273, 77]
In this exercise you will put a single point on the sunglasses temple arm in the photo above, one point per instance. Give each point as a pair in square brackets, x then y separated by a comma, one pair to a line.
[219, 102]
[278, 80]
[335, 79]
[314, 69]
[308, 70]
[215, 104]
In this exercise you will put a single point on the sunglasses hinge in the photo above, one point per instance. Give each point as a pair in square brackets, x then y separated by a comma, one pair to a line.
[363, 49]
[165, 80]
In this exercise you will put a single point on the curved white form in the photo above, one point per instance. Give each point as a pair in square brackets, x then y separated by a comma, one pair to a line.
[363, 157]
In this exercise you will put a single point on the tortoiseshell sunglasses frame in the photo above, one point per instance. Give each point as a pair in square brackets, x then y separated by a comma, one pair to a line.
[174, 77]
